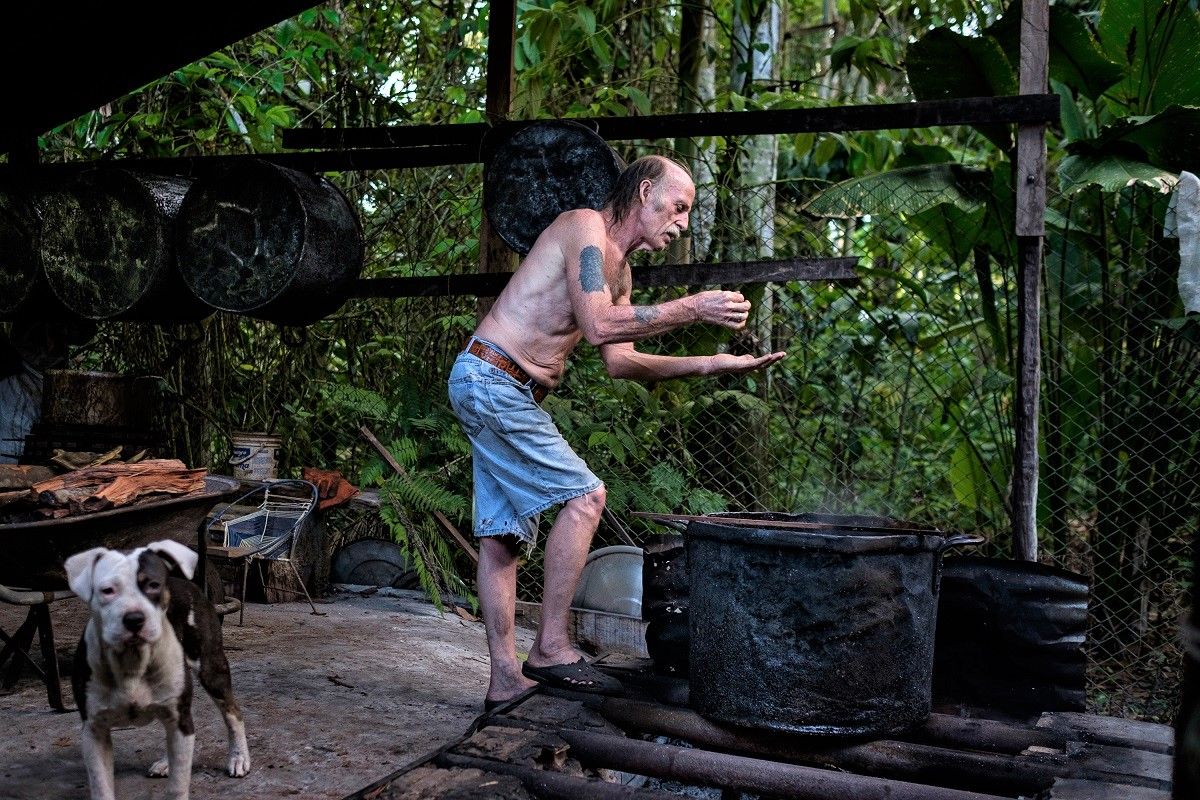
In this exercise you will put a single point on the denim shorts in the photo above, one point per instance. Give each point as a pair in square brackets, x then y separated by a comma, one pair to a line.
[522, 465]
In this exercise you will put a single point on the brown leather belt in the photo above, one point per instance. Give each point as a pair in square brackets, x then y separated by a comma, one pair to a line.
[497, 359]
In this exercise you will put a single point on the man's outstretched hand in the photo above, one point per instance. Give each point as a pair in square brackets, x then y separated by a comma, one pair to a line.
[726, 364]
[727, 309]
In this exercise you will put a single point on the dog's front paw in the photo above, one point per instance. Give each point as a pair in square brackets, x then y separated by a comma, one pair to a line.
[239, 764]
[159, 769]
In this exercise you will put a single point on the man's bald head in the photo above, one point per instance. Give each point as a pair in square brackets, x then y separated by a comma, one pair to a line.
[627, 192]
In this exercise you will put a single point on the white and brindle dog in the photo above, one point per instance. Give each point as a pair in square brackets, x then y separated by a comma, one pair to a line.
[130, 668]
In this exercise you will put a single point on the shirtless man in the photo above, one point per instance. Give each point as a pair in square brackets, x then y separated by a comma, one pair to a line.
[574, 284]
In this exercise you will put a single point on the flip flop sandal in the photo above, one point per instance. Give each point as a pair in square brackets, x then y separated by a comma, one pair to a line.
[579, 677]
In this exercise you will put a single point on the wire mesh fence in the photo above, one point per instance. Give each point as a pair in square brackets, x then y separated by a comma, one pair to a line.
[895, 397]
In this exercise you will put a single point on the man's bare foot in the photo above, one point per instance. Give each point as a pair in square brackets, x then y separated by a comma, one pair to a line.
[505, 687]
[552, 658]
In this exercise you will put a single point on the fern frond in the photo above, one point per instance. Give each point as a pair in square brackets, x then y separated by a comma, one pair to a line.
[423, 493]
[361, 403]
[405, 451]
[372, 473]
[668, 483]
[452, 438]
[703, 501]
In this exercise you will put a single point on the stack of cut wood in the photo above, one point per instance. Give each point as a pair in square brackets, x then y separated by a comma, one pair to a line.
[97, 488]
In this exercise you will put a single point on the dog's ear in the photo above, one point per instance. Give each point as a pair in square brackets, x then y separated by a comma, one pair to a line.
[180, 555]
[79, 571]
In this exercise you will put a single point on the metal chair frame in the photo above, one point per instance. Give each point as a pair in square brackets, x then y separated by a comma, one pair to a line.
[260, 532]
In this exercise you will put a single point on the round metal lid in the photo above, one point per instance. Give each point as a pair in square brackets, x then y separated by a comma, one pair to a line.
[541, 171]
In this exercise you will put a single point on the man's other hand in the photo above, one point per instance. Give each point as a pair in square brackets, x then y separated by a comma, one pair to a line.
[729, 309]
[726, 364]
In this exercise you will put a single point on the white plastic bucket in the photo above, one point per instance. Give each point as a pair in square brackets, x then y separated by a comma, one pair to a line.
[255, 456]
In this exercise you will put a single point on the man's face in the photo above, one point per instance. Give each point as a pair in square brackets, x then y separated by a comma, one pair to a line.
[665, 207]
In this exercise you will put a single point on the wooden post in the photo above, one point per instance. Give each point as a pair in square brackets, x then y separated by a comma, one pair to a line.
[494, 254]
[1030, 228]
[691, 31]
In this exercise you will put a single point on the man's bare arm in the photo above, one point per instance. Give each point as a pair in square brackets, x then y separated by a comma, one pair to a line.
[603, 321]
[622, 360]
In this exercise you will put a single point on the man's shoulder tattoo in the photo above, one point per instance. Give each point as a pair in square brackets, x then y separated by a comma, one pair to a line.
[591, 269]
[645, 313]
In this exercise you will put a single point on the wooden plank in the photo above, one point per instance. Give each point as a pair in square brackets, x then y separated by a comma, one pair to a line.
[1021, 109]
[1153, 737]
[1030, 226]
[543, 783]
[1029, 387]
[1079, 789]
[1031, 140]
[515, 746]
[597, 630]
[837, 270]
[548, 711]
[448, 146]
[435, 783]
[766, 271]
[750, 522]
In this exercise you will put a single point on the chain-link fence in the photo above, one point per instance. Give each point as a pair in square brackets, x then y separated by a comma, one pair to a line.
[895, 398]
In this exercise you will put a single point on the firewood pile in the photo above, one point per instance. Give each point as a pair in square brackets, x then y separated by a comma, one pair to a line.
[32, 493]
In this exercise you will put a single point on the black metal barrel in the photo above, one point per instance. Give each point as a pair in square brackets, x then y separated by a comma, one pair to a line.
[270, 242]
[824, 631]
[542, 170]
[107, 246]
[20, 266]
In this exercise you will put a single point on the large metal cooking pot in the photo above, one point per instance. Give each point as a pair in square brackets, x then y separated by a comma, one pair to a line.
[827, 630]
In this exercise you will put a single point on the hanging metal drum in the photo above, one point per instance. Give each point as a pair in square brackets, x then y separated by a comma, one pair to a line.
[270, 242]
[20, 268]
[108, 249]
[541, 171]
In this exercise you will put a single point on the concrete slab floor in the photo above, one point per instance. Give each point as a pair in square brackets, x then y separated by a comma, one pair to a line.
[332, 703]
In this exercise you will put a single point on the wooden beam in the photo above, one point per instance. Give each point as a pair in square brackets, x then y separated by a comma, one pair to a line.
[319, 161]
[838, 270]
[1022, 109]
[415, 146]
[1153, 737]
[494, 254]
[1030, 227]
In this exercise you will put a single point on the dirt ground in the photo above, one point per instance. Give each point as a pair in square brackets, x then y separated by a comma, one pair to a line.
[332, 703]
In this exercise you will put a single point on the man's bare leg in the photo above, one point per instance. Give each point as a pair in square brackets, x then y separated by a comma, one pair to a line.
[566, 552]
[497, 586]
